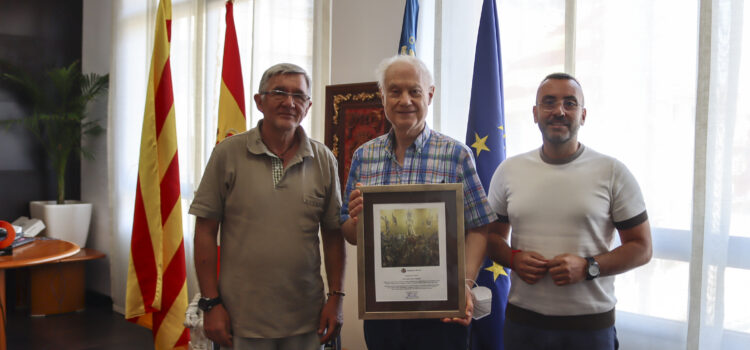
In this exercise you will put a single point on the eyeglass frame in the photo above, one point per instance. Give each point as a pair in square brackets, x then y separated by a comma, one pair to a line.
[567, 103]
[283, 95]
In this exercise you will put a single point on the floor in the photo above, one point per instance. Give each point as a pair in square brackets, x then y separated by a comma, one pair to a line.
[96, 327]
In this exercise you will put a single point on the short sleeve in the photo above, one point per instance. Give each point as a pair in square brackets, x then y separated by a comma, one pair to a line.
[331, 216]
[477, 211]
[497, 194]
[627, 199]
[351, 182]
[212, 191]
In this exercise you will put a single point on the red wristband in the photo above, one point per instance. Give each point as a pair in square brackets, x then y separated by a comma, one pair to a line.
[512, 256]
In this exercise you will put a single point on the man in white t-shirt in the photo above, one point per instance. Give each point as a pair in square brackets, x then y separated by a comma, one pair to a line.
[564, 202]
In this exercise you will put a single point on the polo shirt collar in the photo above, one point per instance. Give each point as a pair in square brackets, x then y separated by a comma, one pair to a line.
[256, 146]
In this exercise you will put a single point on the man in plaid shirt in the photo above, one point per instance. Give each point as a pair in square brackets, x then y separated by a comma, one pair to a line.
[412, 153]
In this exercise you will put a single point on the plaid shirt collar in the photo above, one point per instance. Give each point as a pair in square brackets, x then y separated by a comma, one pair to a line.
[419, 143]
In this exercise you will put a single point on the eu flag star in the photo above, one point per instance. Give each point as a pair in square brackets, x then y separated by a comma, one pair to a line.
[496, 270]
[480, 143]
[502, 130]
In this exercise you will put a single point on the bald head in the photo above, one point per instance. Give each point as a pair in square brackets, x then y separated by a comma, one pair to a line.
[560, 76]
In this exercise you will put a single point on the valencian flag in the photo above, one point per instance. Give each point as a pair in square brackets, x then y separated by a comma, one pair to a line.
[408, 42]
[232, 95]
[486, 135]
[156, 294]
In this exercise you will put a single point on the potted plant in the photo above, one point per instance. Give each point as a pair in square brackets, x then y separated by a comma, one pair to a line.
[58, 119]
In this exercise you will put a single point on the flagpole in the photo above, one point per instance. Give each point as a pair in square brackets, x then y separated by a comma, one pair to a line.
[156, 295]
[485, 134]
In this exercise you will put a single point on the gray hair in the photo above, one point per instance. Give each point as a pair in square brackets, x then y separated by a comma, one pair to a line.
[279, 69]
[411, 60]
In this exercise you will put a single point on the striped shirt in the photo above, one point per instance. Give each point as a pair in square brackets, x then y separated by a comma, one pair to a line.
[432, 158]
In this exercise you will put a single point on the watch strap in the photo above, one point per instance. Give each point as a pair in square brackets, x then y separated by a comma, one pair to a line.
[590, 261]
[206, 304]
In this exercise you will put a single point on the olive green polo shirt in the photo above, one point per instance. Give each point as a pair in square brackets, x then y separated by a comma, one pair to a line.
[270, 278]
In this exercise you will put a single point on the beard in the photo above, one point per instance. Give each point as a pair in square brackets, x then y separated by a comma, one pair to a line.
[557, 136]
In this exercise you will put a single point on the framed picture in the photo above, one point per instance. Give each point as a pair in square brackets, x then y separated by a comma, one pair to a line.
[354, 115]
[410, 252]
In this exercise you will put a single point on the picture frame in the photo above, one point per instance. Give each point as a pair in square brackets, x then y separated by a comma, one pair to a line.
[410, 252]
[354, 115]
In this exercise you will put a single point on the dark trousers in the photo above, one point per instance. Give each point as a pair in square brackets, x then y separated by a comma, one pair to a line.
[427, 334]
[522, 337]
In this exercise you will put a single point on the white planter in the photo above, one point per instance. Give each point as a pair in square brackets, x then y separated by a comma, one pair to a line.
[69, 221]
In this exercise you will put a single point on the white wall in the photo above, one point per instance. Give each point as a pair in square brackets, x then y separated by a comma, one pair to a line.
[363, 33]
[97, 29]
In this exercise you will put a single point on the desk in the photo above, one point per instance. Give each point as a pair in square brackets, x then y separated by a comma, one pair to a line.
[37, 252]
[59, 286]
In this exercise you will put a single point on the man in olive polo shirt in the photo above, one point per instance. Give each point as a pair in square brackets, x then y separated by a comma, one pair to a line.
[269, 189]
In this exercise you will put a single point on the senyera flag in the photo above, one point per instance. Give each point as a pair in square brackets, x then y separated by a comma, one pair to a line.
[156, 295]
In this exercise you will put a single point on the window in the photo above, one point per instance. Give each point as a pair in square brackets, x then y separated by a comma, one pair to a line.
[639, 64]
[268, 31]
[639, 78]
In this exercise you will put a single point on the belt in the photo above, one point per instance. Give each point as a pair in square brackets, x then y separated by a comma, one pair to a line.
[588, 322]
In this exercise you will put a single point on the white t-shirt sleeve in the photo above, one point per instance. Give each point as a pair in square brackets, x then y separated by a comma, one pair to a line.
[497, 195]
[627, 198]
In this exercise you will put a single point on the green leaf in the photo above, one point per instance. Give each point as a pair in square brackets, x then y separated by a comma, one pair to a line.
[58, 101]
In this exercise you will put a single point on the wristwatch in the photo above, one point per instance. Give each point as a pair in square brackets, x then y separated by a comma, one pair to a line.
[592, 268]
[206, 304]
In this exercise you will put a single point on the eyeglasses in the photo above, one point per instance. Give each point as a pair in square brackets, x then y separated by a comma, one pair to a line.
[568, 105]
[279, 95]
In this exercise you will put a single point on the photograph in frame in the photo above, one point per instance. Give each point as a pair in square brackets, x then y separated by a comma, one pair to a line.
[411, 252]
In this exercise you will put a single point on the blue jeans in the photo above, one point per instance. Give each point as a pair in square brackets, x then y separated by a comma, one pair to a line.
[427, 334]
[519, 336]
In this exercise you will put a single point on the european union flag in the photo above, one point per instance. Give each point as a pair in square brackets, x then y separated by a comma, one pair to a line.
[408, 42]
[485, 134]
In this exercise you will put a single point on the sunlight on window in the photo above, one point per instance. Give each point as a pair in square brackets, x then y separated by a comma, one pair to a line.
[740, 224]
[638, 74]
[532, 43]
[281, 32]
[287, 38]
[638, 62]
[638, 291]
[527, 59]
[737, 281]
[736, 301]
[183, 87]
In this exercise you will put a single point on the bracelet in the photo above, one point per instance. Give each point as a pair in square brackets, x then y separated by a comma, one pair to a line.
[512, 256]
[335, 292]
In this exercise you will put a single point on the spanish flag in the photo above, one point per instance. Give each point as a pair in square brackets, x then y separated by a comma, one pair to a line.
[156, 295]
[232, 95]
